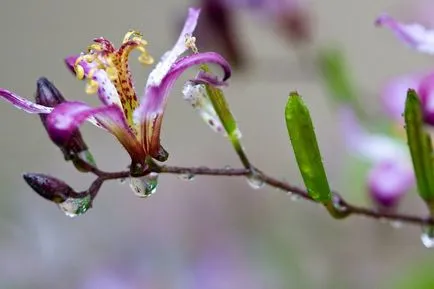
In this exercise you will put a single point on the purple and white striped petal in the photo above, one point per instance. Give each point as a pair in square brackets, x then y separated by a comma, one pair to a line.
[414, 35]
[106, 90]
[156, 95]
[372, 147]
[394, 94]
[170, 57]
[151, 108]
[24, 104]
[388, 181]
[67, 117]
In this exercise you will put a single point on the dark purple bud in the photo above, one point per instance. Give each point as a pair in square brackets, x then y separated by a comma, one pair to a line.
[49, 187]
[47, 94]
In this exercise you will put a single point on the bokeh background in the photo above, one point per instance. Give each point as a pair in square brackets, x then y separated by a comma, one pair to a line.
[214, 233]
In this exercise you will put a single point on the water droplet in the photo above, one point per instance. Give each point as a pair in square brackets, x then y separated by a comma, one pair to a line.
[74, 207]
[255, 181]
[337, 204]
[144, 186]
[237, 133]
[186, 177]
[122, 181]
[396, 224]
[294, 197]
[427, 237]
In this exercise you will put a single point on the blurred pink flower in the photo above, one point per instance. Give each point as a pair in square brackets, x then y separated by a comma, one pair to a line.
[391, 175]
[394, 93]
[218, 26]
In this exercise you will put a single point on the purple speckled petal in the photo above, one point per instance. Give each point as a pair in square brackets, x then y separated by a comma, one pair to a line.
[373, 147]
[414, 35]
[68, 116]
[22, 103]
[170, 57]
[106, 90]
[388, 181]
[151, 108]
[394, 93]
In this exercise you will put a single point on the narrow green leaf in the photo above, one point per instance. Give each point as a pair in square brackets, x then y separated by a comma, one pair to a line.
[222, 109]
[336, 76]
[226, 117]
[306, 150]
[420, 146]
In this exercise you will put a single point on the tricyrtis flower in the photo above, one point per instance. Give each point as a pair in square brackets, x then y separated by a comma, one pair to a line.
[135, 124]
[391, 175]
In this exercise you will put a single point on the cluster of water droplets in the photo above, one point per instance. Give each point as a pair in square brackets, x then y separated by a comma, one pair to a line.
[144, 186]
[73, 207]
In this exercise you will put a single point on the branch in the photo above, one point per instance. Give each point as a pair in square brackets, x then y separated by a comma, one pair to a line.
[338, 201]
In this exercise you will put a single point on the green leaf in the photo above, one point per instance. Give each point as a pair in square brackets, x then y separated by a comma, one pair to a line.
[222, 109]
[336, 76]
[420, 146]
[307, 154]
[226, 117]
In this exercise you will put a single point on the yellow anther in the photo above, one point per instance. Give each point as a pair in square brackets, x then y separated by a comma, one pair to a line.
[146, 59]
[94, 47]
[112, 72]
[190, 43]
[91, 87]
[133, 35]
[79, 71]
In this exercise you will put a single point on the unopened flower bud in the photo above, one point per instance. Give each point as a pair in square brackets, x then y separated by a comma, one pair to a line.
[47, 94]
[48, 187]
[388, 182]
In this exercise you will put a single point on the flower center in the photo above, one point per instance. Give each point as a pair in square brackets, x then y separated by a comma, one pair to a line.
[102, 55]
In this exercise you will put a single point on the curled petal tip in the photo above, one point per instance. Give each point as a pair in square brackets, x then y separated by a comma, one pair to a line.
[70, 62]
[382, 19]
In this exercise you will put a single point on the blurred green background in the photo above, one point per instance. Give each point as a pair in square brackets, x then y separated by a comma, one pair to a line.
[213, 233]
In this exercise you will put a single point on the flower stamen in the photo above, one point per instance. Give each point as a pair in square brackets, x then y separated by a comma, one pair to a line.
[190, 43]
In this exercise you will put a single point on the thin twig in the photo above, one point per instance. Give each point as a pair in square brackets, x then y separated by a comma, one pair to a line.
[339, 202]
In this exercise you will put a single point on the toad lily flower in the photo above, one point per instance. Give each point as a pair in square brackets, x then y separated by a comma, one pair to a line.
[391, 175]
[135, 124]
